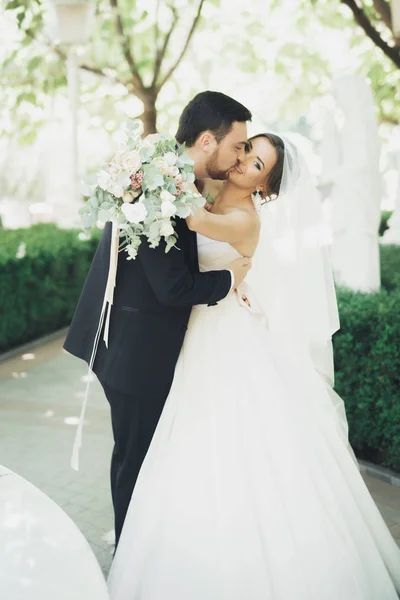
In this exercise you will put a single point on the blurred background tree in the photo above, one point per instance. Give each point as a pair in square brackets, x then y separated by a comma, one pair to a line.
[340, 35]
[375, 18]
[131, 47]
[139, 49]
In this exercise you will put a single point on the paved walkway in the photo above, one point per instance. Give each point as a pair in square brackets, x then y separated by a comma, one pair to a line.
[40, 399]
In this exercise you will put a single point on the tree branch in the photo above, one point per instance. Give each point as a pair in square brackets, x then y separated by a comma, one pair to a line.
[362, 20]
[162, 51]
[383, 8]
[156, 29]
[88, 68]
[57, 50]
[126, 48]
[99, 72]
[185, 47]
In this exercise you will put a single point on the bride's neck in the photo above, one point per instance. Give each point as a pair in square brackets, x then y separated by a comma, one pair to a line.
[231, 194]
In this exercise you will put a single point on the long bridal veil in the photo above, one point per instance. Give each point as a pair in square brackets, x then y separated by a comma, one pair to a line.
[291, 275]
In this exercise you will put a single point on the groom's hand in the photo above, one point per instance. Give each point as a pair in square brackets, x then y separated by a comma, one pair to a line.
[239, 268]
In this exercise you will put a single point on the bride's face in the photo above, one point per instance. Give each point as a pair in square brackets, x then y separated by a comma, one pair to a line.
[252, 173]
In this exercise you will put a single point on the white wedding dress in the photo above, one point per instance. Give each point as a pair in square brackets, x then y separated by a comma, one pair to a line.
[249, 490]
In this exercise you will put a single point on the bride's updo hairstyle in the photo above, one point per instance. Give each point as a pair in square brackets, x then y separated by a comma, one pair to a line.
[274, 177]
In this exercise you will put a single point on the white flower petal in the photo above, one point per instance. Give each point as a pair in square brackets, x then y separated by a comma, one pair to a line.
[166, 228]
[168, 209]
[170, 157]
[135, 213]
[167, 196]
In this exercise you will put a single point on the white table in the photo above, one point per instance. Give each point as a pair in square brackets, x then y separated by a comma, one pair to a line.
[43, 555]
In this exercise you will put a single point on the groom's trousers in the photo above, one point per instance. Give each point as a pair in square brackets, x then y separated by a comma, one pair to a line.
[134, 419]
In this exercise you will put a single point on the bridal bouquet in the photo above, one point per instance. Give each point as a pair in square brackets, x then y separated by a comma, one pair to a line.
[142, 189]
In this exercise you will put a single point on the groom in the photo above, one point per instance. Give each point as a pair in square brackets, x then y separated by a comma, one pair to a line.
[153, 298]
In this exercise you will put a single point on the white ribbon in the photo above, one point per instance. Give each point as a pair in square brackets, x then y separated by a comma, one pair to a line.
[105, 313]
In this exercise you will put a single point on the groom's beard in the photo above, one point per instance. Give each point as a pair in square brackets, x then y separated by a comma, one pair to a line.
[213, 169]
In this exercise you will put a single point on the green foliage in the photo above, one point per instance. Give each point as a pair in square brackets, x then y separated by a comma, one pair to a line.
[39, 291]
[29, 71]
[305, 59]
[385, 216]
[35, 68]
[367, 364]
[390, 267]
[291, 44]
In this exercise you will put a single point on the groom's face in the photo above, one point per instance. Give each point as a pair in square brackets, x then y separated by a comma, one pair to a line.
[228, 152]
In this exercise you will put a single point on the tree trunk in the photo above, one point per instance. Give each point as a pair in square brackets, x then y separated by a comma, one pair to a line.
[149, 115]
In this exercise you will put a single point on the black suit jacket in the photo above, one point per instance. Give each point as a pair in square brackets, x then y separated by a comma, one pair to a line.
[152, 304]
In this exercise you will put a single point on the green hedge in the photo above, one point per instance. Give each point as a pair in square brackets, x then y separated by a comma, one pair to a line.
[385, 216]
[38, 292]
[367, 365]
[390, 267]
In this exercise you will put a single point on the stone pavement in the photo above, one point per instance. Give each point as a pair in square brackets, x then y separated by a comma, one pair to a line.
[40, 399]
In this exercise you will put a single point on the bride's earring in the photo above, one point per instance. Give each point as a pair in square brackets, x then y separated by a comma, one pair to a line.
[257, 200]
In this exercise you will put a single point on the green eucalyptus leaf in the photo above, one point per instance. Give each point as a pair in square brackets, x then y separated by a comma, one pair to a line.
[170, 243]
[93, 201]
[154, 229]
[171, 186]
[152, 178]
[197, 201]
[183, 211]
[88, 220]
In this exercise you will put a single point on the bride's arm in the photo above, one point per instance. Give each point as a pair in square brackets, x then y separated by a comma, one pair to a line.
[231, 227]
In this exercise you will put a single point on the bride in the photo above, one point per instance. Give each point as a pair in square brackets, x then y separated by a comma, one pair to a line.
[250, 490]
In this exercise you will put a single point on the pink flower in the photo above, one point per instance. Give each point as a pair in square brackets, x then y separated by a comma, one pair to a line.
[178, 185]
[137, 180]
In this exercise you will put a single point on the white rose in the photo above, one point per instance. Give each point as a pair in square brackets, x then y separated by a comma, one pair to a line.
[179, 178]
[161, 165]
[114, 166]
[170, 157]
[131, 161]
[117, 190]
[166, 229]
[173, 171]
[104, 180]
[135, 213]
[166, 196]
[168, 209]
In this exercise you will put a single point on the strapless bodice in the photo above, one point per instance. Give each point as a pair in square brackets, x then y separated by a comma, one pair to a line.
[214, 255]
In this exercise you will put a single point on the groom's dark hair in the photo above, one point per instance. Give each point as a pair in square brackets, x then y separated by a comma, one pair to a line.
[210, 111]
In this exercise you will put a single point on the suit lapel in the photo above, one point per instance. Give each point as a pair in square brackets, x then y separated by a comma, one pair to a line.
[194, 251]
[187, 241]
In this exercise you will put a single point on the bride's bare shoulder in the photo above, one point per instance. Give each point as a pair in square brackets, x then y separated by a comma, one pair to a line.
[247, 212]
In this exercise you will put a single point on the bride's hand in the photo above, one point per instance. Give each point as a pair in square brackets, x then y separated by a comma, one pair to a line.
[195, 217]
[246, 300]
